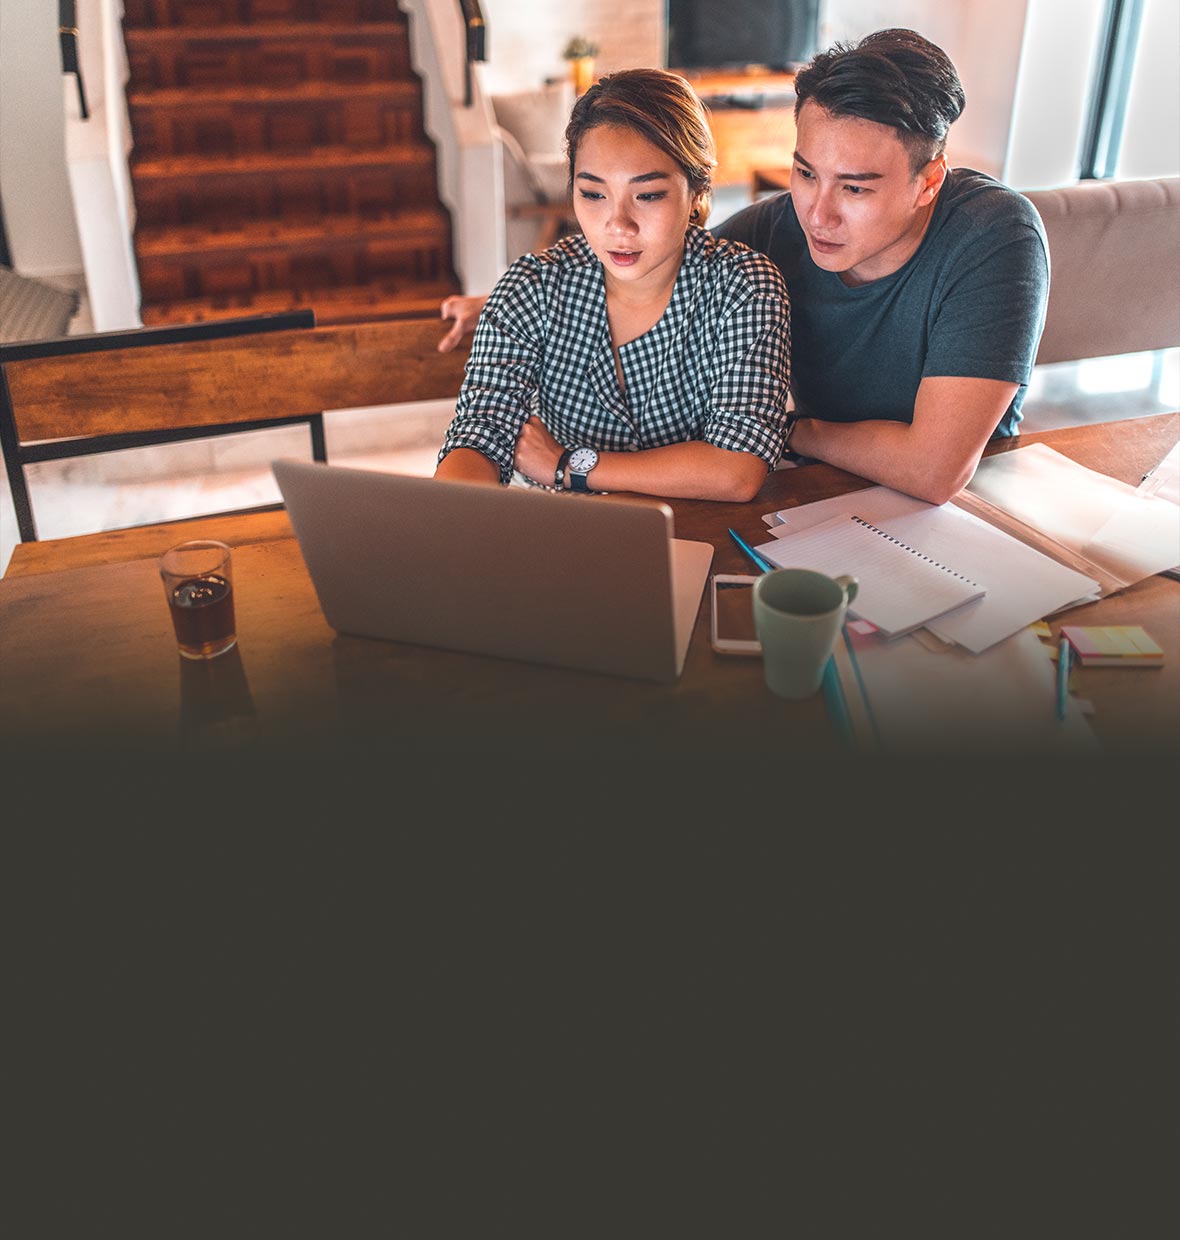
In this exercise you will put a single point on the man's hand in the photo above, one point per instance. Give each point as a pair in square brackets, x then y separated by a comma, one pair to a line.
[465, 312]
[537, 452]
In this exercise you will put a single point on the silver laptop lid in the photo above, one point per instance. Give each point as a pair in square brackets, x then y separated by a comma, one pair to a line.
[574, 581]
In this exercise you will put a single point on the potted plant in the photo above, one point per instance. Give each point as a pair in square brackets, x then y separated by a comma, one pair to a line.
[580, 53]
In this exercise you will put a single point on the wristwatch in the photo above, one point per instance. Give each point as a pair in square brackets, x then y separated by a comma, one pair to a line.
[559, 473]
[789, 453]
[582, 461]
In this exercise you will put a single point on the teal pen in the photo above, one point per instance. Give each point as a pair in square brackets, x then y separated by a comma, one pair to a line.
[760, 560]
[1062, 676]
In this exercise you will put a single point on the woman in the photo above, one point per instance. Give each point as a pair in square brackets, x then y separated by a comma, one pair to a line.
[643, 355]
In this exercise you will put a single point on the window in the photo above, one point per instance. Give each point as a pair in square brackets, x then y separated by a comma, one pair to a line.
[1133, 125]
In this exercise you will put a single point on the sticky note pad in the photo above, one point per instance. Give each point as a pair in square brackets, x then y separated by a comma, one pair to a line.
[1121, 645]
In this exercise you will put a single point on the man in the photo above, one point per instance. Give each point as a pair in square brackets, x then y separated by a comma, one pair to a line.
[917, 293]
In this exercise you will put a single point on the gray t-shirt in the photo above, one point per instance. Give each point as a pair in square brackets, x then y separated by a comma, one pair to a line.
[970, 303]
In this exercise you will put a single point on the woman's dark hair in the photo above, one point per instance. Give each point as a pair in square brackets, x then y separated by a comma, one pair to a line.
[659, 106]
[894, 77]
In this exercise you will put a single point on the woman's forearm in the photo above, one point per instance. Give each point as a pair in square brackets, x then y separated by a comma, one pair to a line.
[681, 471]
[467, 465]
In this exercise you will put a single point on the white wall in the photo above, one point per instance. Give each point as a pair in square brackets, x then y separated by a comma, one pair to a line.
[1058, 62]
[983, 39]
[34, 188]
[1052, 96]
[1151, 141]
[526, 37]
[470, 176]
[96, 162]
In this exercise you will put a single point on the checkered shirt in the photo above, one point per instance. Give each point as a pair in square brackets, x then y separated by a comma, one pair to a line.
[715, 368]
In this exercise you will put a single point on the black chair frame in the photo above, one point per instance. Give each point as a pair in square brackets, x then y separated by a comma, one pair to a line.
[17, 455]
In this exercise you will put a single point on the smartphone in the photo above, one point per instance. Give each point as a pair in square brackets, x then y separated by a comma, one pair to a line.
[732, 614]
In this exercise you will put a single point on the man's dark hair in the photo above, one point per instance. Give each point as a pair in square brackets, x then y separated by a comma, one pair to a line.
[894, 77]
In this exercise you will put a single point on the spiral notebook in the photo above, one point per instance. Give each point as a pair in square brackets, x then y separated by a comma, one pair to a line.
[899, 588]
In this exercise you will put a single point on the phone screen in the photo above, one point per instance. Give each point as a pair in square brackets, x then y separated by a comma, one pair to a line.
[735, 610]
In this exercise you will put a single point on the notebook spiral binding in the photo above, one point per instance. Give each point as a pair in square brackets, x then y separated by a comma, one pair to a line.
[906, 547]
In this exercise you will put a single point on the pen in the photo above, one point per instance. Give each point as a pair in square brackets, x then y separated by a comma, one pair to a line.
[760, 560]
[1062, 675]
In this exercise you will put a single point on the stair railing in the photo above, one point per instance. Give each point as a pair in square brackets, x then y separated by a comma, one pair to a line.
[476, 27]
[68, 33]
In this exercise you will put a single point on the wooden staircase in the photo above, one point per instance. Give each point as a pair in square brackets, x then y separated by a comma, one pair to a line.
[279, 161]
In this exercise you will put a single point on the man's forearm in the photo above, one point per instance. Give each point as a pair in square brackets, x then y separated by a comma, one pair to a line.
[881, 451]
[934, 457]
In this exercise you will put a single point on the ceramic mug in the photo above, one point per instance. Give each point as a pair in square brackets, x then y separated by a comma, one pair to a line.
[798, 614]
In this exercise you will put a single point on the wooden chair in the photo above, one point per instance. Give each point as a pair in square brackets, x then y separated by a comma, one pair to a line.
[87, 394]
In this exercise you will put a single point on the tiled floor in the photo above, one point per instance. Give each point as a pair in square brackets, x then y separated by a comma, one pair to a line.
[143, 486]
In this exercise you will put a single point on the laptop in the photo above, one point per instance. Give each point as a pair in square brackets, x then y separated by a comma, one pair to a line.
[575, 581]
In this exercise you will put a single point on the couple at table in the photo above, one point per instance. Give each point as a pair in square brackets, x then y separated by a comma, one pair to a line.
[897, 301]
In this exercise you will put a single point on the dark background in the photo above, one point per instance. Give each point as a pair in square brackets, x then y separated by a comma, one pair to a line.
[718, 34]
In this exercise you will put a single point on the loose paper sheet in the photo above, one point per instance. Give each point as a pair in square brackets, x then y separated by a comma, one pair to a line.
[1164, 479]
[1164, 483]
[1023, 585]
[1123, 531]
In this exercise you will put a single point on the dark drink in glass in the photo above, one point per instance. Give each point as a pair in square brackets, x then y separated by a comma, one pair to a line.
[203, 616]
[198, 584]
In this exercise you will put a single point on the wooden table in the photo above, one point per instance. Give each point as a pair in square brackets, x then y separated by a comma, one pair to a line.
[89, 661]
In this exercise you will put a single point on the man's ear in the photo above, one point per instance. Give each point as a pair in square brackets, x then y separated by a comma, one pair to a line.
[931, 178]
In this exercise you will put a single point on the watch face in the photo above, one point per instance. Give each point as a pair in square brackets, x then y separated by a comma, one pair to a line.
[583, 460]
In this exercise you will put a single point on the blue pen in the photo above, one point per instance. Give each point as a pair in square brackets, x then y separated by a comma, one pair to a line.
[760, 560]
[1062, 676]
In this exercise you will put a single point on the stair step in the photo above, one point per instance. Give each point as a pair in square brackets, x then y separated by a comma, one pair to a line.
[233, 190]
[387, 299]
[262, 255]
[275, 163]
[153, 13]
[313, 91]
[255, 32]
[281, 53]
[280, 161]
[405, 229]
[237, 119]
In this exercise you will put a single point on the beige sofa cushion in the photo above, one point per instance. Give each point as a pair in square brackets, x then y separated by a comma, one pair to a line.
[1114, 261]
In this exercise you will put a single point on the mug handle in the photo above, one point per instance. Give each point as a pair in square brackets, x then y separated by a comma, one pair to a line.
[849, 585]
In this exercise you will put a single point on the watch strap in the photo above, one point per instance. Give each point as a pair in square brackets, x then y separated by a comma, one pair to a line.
[789, 453]
[559, 475]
